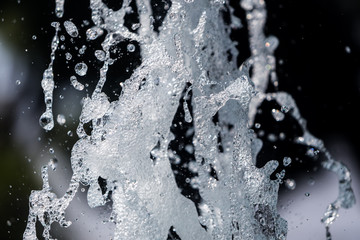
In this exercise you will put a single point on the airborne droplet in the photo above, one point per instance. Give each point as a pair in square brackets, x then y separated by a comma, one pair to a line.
[71, 29]
[81, 69]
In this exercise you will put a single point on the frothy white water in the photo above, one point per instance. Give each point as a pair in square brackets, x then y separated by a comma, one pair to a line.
[191, 49]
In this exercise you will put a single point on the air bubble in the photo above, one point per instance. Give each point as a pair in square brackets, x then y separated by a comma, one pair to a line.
[18, 82]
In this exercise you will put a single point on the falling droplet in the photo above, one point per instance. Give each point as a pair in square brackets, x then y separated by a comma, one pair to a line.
[93, 33]
[284, 109]
[131, 47]
[61, 119]
[290, 184]
[286, 161]
[46, 121]
[188, 117]
[76, 84]
[71, 29]
[81, 69]
[59, 8]
[277, 115]
[53, 163]
[68, 56]
[100, 55]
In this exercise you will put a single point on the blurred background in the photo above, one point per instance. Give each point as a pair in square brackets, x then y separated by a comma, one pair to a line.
[318, 63]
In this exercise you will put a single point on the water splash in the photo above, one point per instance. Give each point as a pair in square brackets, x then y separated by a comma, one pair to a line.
[185, 65]
[47, 120]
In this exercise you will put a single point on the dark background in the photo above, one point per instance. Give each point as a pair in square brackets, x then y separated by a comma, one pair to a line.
[318, 63]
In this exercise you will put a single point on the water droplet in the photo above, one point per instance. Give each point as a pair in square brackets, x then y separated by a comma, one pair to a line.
[18, 82]
[290, 184]
[59, 8]
[51, 151]
[71, 29]
[68, 56]
[82, 50]
[347, 49]
[69, 133]
[100, 55]
[81, 69]
[257, 125]
[135, 26]
[311, 181]
[76, 84]
[46, 121]
[284, 109]
[34, 37]
[93, 33]
[131, 47]
[61, 119]
[286, 161]
[307, 194]
[53, 163]
[277, 115]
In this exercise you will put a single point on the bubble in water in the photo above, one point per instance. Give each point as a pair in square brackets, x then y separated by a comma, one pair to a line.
[100, 55]
[81, 69]
[286, 161]
[131, 47]
[71, 29]
[61, 119]
[257, 125]
[34, 37]
[18, 82]
[307, 194]
[277, 115]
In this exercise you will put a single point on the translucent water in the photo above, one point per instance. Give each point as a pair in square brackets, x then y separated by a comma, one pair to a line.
[185, 67]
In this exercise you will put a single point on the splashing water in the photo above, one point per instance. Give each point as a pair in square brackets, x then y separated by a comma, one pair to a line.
[185, 67]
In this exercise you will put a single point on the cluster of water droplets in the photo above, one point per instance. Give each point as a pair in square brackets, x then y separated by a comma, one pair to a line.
[185, 68]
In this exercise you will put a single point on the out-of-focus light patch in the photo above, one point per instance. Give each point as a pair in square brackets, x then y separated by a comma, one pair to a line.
[304, 213]
[7, 73]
